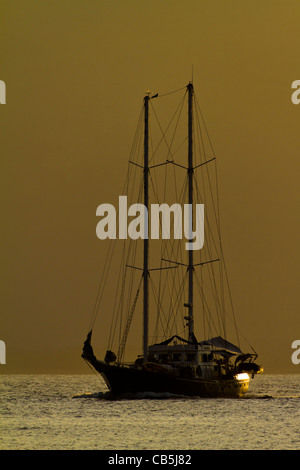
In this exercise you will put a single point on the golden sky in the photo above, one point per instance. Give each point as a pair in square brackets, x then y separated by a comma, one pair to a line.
[75, 74]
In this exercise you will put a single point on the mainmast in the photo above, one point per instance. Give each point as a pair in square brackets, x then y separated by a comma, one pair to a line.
[190, 201]
[146, 241]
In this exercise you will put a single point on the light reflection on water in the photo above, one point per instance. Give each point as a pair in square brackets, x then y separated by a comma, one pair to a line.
[41, 412]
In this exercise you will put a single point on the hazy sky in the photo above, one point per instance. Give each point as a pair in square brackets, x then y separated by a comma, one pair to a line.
[75, 75]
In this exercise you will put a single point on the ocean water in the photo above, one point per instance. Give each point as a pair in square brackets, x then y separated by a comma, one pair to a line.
[62, 412]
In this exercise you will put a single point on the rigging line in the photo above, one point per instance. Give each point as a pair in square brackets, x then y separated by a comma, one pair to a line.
[158, 306]
[204, 163]
[171, 92]
[131, 257]
[112, 244]
[203, 305]
[166, 292]
[178, 112]
[102, 284]
[205, 302]
[217, 212]
[99, 377]
[211, 272]
[162, 289]
[104, 277]
[174, 132]
[133, 170]
[168, 250]
[160, 274]
[229, 293]
[203, 121]
[163, 137]
[103, 281]
[200, 144]
[134, 245]
[161, 317]
[208, 248]
[169, 288]
[175, 129]
[212, 289]
[209, 252]
[182, 198]
[208, 227]
[198, 111]
[217, 216]
[224, 312]
[238, 331]
[138, 133]
[122, 344]
[131, 187]
[172, 304]
[206, 167]
[161, 250]
[179, 297]
[111, 334]
[166, 326]
[154, 186]
[117, 312]
[215, 205]
[154, 151]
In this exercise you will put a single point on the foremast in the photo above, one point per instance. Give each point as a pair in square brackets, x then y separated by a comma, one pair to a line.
[190, 171]
[146, 239]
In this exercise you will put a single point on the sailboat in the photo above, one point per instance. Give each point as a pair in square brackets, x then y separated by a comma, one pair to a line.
[174, 360]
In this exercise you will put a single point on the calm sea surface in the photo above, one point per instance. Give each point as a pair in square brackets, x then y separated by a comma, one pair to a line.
[61, 412]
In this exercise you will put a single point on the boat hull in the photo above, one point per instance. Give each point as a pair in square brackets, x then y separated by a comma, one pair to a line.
[125, 380]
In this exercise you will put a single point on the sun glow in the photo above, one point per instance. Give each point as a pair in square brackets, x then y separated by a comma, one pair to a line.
[243, 376]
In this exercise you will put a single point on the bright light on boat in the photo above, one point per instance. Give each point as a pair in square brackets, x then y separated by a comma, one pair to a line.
[243, 376]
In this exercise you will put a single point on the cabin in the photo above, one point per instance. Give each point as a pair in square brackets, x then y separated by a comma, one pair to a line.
[204, 360]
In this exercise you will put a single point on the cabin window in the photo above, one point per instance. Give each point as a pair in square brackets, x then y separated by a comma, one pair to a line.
[177, 357]
[163, 357]
[191, 357]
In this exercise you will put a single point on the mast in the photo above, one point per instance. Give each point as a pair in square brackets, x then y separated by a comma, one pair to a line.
[190, 201]
[146, 241]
